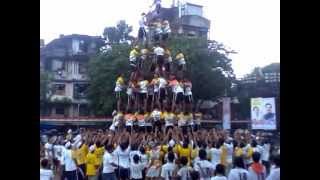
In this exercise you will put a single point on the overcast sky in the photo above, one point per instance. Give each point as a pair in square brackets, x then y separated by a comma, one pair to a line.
[250, 27]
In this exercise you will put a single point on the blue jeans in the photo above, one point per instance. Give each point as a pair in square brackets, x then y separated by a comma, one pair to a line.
[109, 176]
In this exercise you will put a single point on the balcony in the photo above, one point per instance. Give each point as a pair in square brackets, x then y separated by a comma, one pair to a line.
[63, 75]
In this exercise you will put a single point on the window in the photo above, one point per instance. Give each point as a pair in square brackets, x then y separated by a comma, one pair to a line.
[75, 46]
[57, 65]
[80, 90]
[60, 111]
[82, 68]
[60, 89]
[83, 110]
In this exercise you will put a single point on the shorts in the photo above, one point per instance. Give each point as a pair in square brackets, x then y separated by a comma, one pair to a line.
[188, 99]
[162, 94]
[142, 96]
[157, 124]
[118, 94]
[142, 33]
[160, 60]
[165, 36]
[124, 173]
[179, 98]
[156, 37]
[168, 127]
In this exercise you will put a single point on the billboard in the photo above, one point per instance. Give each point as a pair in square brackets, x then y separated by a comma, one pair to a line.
[263, 114]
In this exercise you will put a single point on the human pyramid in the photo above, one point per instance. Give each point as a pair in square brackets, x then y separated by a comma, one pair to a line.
[159, 92]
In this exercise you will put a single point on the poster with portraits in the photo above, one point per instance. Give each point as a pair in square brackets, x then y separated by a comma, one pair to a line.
[263, 114]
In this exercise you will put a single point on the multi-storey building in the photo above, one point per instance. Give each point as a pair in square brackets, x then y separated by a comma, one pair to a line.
[66, 59]
[185, 19]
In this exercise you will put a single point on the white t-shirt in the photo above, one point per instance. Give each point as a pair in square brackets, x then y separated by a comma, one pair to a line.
[108, 159]
[58, 151]
[205, 169]
[219, 178]
[159, 51]
[48, 150]
[188, 91]
[177, 89]
[129, 91]
[122, 157]
[156, 115]
[185, 172]
[238, 174]
[167, 170]
[144, 158]
[46, 174]
[70, 165]
[169, 119]
[162, 82]
[136, 170]
[143, 86]
[132, 153]
[229, 152]
[215, 156]
[274, 174]
[254, 176]
[258, 149]
[266, 152]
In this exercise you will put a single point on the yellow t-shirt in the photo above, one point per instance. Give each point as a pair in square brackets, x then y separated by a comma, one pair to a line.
[163, 115]
[120, 81]
[99, 153]
[186, 152]
[238, 152]
[92, 162]
[223, 158]
[134, 53]
[180, 56]
[81, 154]
[188, 117]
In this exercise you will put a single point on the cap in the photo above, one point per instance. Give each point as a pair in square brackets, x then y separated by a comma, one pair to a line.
[69, 131]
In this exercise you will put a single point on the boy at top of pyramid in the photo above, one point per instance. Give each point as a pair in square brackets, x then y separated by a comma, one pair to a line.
[157, 26]
[142, 31]
[158, 5]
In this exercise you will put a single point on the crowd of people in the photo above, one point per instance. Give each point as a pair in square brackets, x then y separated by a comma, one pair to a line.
[176, 154]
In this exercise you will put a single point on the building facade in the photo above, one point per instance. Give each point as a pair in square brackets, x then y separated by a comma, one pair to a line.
[66, 60]
[185, 19]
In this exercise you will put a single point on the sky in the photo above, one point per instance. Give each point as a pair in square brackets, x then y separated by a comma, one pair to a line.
[250, 27]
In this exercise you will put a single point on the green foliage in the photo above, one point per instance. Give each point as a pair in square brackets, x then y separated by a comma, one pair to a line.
[64, 100]
[103, 71]
[119, 33]
[207, 83]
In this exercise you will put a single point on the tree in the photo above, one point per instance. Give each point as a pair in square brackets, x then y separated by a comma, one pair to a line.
[118, 34]
[103, 70]
[201, 61]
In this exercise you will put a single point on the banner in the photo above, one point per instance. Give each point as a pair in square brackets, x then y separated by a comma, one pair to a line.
[226, 109]
[263, 114]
